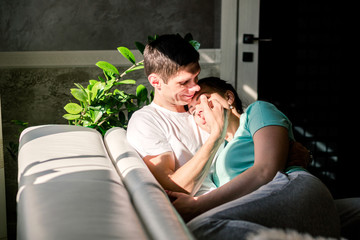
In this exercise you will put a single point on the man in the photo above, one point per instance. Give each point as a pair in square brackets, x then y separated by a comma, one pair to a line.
[163, 133]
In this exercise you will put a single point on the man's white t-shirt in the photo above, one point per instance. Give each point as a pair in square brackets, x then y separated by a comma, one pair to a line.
[154, 130]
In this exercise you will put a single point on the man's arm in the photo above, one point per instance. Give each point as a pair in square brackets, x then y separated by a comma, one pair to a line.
[298, 155]
[183, 179]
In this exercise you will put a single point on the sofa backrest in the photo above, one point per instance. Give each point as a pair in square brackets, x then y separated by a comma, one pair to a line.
[150, 200]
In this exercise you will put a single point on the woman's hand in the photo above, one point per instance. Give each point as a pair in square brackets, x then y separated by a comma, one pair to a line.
[187, 206]
[298, 155]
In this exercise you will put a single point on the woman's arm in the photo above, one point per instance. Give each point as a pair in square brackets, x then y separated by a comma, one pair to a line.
[271, 146]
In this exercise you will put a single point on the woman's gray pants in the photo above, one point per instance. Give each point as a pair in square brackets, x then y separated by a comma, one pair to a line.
[297, 201]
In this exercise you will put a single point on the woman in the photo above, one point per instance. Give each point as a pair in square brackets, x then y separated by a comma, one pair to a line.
[254, 187]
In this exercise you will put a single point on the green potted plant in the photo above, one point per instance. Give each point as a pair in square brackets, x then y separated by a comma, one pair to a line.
[102, 105]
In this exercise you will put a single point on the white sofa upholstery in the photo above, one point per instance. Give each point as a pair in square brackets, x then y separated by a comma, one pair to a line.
[73, 184]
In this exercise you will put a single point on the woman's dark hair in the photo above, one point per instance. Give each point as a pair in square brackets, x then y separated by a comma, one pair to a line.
[221, 86]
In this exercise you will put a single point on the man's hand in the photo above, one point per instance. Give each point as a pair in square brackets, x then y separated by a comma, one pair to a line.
[298, 155]
[214, 115]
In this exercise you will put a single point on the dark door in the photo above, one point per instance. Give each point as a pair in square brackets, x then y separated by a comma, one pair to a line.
[300, 71]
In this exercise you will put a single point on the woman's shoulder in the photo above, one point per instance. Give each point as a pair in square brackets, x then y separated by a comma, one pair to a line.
[265, 112]
[261, 114]
[258, 105]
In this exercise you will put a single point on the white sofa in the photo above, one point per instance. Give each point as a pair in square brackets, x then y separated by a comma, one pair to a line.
[75, 184]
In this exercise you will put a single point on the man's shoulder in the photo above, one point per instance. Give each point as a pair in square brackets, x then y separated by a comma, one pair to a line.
[156, 117]
[147, 112]
[146, 109]
[148, 116]
[153, 111]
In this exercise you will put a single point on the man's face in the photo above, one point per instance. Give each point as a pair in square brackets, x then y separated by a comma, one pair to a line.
[181, 88]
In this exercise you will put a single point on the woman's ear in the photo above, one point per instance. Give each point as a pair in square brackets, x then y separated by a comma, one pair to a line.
[230, 97]
[155, 80]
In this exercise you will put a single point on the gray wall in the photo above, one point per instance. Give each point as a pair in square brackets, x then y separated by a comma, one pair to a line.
[46, 25]
[38, 95]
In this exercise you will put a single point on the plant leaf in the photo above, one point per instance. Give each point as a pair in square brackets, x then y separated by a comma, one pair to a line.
[121, 96]
[135, 68]
[101, 79]
[140, 47]
[20, 123]
[79, 86]
[107, 67]
[195, 44]
[97, 90]
[122, 117]
[71, 116]
[131, 107]
[128, 81]
[152, 38]
[73, 108]
[141, 94]
[109, 84]
[97, 116]
[188, 37]
[127, 54]
[79, 94]
[91, 84]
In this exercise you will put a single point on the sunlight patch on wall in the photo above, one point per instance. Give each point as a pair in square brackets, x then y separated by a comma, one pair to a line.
[251, 92]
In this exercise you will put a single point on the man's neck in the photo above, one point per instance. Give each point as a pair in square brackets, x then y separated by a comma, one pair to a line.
[169, 106]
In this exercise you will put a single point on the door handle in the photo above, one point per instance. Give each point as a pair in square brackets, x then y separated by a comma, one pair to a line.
[250, 39]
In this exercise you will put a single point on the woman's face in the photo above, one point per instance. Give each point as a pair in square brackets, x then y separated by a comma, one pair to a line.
[196, 109]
